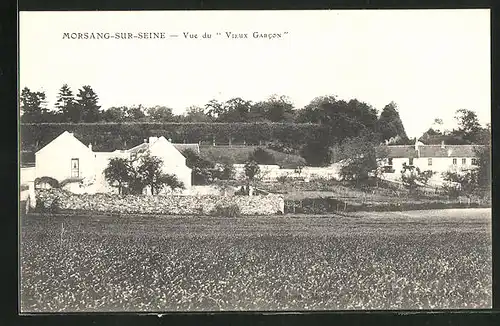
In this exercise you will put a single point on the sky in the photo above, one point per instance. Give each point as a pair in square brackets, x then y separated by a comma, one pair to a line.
[429, 62]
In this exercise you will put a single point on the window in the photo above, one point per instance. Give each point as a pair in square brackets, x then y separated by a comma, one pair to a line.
[75, 168]
[454, 161]
[429, 161]
[410, 161]
[474, 161]
[464, 161]
[390, 161]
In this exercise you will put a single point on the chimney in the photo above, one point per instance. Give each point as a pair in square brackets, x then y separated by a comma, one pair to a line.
[90, 146]
[145, 141]
[442, 144]
[170, 140]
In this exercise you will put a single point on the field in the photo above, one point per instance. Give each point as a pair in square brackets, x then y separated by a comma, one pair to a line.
[410, 260]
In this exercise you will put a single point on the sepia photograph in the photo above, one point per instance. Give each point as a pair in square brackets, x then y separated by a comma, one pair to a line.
[285, 160]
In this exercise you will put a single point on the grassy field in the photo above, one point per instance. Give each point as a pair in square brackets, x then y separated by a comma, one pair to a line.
[410, 260]
[345, 192]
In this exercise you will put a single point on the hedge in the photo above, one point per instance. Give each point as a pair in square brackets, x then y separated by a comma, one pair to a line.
[111, 136]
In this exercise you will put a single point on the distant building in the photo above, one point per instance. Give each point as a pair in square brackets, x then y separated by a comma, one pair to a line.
[67, 158]
[437, 158]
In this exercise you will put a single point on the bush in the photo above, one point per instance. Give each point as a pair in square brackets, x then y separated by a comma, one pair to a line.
[283, 178]
[316, 153]
[280, 147]
[202, 169]
[231, 210]
[261, 156]
[252, 170]
[224, 171]
[48, 180]
[45, 207]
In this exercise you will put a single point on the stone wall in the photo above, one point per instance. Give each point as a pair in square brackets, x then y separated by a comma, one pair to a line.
[166, 204]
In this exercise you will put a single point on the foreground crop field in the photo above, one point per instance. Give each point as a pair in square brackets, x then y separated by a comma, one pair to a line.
[411, 260]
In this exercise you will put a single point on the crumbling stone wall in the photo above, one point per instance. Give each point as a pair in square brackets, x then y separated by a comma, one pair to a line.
[162, 204]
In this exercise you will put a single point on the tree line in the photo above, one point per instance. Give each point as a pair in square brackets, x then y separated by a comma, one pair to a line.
[344, 118]
[325, 123]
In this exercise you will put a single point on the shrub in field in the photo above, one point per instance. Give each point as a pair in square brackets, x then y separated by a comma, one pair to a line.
[261, 156]
[231, 210]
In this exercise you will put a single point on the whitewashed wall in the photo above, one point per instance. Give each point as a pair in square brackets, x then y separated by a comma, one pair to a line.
[27, 175]
[272, 172]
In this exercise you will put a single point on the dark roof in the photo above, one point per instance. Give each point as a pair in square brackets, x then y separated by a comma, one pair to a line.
[448, 150]
[139, 148]
[398, 151]
[429, 151]
[182, 147]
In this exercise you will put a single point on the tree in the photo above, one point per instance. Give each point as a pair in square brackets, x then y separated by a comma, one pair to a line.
[134, 175]
[135, 113]
[150, 171]
[342, 119]
[275, 109]
[87, 104]
[196, 114]
[412, 177]
[261, 156]
[224, 171]
[202, 169]
[32, 105]
[483, 155]
[252, 170]
[114, 114]
[390, 124]
[160, 114]
[316, 152]
[66, 105]
[215, 109]
[359, 159]
[118, 173]
[171, 181]
[468, 129]
[465, 182]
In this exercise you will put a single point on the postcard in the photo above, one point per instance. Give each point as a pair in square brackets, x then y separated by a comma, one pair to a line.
[204, 161]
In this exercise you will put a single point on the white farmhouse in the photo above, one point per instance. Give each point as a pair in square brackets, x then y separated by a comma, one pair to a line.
[437, 158]
[67, 158]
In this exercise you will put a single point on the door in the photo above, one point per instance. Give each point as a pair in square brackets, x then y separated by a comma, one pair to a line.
[75, 168]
